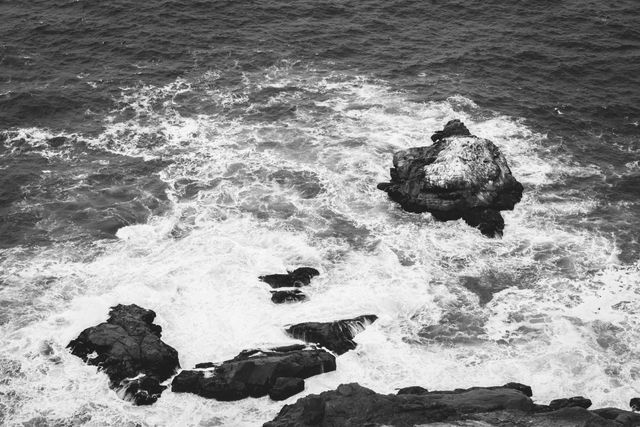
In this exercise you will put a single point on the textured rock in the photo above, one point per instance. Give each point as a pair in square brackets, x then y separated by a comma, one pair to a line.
[337, 336]
[286, 387]
[577, 401]
[354, 405]
[255, 373]
[294, 295]
[128, 348]
[299, 277]
[635, 403]
[459, 176]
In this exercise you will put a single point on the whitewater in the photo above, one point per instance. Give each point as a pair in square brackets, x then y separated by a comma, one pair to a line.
[281, 172]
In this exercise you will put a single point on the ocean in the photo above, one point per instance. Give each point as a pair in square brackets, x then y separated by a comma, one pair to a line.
[167, 153]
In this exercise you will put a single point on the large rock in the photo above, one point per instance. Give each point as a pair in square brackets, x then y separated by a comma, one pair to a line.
[299, 277]
[337, 336]
[354, 405]
[459, 176]
[128, 348]
[256, 373]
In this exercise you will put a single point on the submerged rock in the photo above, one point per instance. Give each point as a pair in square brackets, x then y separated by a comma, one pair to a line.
[299, 277]
[256, 373]
[336, 336]
[294, 295]
[354, 405]
[128, 348]
[459, 176]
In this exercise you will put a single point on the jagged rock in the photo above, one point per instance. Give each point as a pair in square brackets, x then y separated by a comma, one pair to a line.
[255, 373]
[294, 295]
[286, 387]
[354, 405]
[299, 277]
[337, 336]
[452, 128]
[577, 401]
[459, 176]
[128, 348]
[635, 403]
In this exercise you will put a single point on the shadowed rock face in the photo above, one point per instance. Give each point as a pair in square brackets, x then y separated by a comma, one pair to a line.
[256, 373]
[336, 336]
[459, 176]
[127, 346]
[509, 405]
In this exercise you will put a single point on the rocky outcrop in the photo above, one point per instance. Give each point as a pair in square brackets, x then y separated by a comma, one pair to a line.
[459, 176]
[293, 279]
[294, 295]
[337, 336]
[128, 348]
[354, 405]
[256, 373]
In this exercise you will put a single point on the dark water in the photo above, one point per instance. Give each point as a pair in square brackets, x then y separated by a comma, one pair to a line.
[188, 125]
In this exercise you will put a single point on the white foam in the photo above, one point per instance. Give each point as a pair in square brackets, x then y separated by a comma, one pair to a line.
[373, 257]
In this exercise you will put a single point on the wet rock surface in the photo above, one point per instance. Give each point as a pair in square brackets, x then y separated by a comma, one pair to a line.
[280, 297]
[256, 373]
[293, 279]
[459, 176]
[509, 405]
[336, 336]
[128, 348]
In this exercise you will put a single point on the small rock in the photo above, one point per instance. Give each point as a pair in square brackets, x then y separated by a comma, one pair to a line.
[337, 336]
[294, 295]
[299, 277]
[577, 401]
[635, 403]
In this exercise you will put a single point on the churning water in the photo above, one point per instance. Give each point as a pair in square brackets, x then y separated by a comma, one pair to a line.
[211, 143]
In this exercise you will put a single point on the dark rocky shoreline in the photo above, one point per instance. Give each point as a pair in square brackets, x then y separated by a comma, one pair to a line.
[509, 405]
[459, 176]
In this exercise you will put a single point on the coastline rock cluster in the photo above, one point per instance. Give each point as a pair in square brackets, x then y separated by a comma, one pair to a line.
[458, 176]
[508, 405]
[127, 347]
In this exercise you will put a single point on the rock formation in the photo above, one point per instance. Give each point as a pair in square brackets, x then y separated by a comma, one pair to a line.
[293, 279]
[459, 176]
[255, 373]
[337, 336]
[354, 405]
[128, 348]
